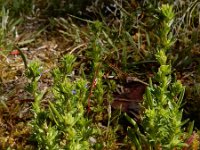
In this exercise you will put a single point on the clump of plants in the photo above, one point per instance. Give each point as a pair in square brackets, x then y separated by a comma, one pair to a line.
[162, 119]
[62, 124]
[163, 114]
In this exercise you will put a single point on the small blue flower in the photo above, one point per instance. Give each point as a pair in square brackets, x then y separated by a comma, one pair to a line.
[86, 86]
[73, 92]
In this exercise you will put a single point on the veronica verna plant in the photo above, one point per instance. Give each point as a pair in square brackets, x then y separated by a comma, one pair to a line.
[162, 118]
[63, 124]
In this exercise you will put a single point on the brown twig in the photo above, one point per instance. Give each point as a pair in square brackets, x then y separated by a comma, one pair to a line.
[94, 83]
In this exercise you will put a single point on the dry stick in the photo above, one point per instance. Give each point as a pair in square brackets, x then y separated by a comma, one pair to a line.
[94, 83]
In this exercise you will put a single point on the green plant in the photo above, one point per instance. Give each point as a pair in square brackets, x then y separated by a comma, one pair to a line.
[63, 125]
[33, 72]
[162, 119]
[8, 30]
[67, 95]
[19, 7]
[4, 14]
